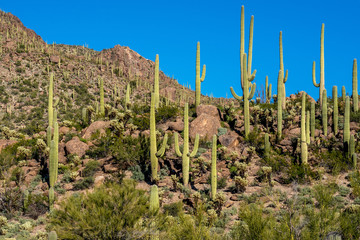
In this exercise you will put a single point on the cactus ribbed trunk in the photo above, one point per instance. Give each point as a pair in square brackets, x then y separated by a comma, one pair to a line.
[267, 146]
[156, 82]
[308, 127]
[336, 110]
[154, 198]
[347, 125]
[267, 90]
[304, 153]
[324, 112]
[320, 85]
[50, 100]
[279, 104]
[153, 146]
[312, 120]
[355, 87]
[198, 80]
[343, 93]
[282, 69]
[213, 168]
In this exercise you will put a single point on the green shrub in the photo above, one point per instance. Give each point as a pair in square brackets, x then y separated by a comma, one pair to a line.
[90, 168]
[173, 209]
[84, 183]
[112, 211]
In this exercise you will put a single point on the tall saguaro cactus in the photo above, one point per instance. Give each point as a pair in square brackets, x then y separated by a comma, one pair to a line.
[52, 173]
[282, 69]
[198, 80]
[50, 100]
[347, 125]
[355, 87]
[324, 112]
[321, 84]
[156, 82]
[279, 103]
[154, 153]
[186, 155]
[268, 88]
[312, 120]
[213, 168]
[304, 150]
[245, 66]
[336, 110]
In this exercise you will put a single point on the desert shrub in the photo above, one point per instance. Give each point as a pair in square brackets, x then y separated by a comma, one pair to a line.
[112, 211]
[173, 209]
[165, 113]
[84, 183]
[36, 205]
[90, 168]
[137, 173]
[350, 222]
[11, 201]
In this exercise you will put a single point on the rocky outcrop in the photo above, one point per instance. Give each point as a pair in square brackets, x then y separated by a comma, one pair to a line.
[204, 125]
[75, 146]
[95, 126]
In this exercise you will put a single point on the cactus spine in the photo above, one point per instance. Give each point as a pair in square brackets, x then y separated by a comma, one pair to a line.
[267, 90]
[102, 106]
[324, 112]
[320, 85]
[304, 153]
[154, 153]
[336, 110]
[283, 81]
[246, 76]
[156, 82]
[198, 80]
[154, 198]
[186, 154]
[347, 124]
[279, 104]
[355, 87]
[267, 146]
[50, 101]
[52, 235]
[308, 127]
[312, 120]
[213, 168]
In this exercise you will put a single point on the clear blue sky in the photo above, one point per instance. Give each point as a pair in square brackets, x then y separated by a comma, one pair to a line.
[172, 29]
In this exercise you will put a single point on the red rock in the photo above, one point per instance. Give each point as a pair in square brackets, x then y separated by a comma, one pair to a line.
[207, 109]
[95, 126]
[75, 146]
[54, 59]
[204, 125]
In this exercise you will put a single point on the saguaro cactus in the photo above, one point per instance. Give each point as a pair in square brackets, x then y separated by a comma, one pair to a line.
[304, 151]
[324, 112]
[347, 125]
[52, 173]
[154, 153]
[354, 159]
[279, 103]
[156, 82]
[355, 87]
[308, 127]
[186, 154]
[282, 69]
[213, 168]
[343, 93]
[267, 90]
[246, 76]
[102, 106]
[312, 120]
[351, 146]
[320, 85]
[336, 110]
[154, 198]
[127, 96]
[198, 80]
[50, 99]
[267, 146]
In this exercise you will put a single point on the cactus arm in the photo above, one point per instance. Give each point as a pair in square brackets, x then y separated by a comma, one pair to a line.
[203, 73]
[196, 147]
[161, 151]
[252, 76]
[237, 97]
[313, 76]
[252, 91]
[177, 149]
[286, 76]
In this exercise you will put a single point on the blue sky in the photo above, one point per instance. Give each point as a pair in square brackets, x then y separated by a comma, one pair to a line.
[172, 29]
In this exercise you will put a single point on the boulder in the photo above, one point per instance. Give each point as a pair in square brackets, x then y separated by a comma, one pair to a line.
[205, 125]
[4, 143]
[207, 109]
[75, 146]
[54, 59]
[95, 126]
[230, 139]
[176, 126]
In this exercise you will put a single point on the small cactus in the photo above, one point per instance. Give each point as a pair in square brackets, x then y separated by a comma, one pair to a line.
[154, 198]
[52, 235]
